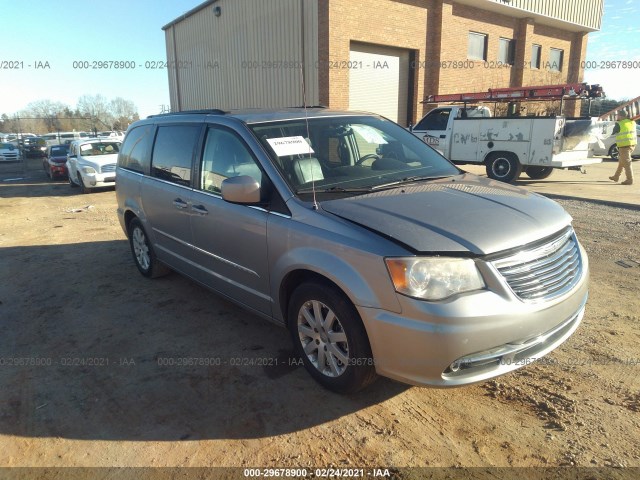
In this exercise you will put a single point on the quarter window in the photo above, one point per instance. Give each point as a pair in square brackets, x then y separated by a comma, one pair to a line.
[134, 154]
[477, 49]
[225, 155]
[173, 152]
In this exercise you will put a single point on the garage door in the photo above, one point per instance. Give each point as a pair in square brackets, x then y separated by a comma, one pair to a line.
[379, 80]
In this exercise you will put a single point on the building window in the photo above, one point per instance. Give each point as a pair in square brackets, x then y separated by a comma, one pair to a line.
[556, 56]
[536, 54]
[477, 46]
[507, 51]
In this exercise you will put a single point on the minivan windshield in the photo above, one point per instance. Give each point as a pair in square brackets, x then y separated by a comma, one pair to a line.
[349, 154]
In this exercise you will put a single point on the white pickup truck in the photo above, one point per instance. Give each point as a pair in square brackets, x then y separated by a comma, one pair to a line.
[508, 146]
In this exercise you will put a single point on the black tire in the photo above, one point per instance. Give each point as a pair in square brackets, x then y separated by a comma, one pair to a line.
[503, 166]
[614, 153]
[83, 189]
[539, 173]
[143, 254]
[343, 366]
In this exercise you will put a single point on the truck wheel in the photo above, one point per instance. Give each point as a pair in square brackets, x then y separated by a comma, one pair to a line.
[538, 173]
[503, 166]
[328, 335]
[614, 153]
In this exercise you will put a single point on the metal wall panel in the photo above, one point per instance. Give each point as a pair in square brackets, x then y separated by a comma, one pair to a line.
[248, 56]
[586, 13]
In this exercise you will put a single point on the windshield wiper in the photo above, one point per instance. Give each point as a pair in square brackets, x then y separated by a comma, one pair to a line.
[334, 190]
[406, 180]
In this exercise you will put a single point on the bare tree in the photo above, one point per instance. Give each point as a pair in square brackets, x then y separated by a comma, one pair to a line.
[96, 107]
[47, 111]
[124, 112]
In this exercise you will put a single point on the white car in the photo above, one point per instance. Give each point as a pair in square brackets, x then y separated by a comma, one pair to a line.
[91, 163]
[112, 135]
[9, 152]
[609, 147]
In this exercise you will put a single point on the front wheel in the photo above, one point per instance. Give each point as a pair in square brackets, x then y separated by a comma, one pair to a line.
[329, 336]
[503, 166]
[83, 189]
[614, 153]
[142, 251]
[539, 173]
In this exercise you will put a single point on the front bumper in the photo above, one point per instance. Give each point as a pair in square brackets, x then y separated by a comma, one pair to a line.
[470, 338]
[98, 180]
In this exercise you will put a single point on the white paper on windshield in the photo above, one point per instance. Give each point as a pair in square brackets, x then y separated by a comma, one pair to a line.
[370, 135]
[285, 146]
[84, 148]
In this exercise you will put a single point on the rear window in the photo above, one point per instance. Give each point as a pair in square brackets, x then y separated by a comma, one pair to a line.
[134, 153]
[59, 150]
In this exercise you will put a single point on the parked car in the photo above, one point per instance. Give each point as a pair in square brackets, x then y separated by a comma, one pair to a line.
[609, 147]
[9, 152]
[34, 147]
[113, 135]
[378, 254]
[92, 163]
[55, 163]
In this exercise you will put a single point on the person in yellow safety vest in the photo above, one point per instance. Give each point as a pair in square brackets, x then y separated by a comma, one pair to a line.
[625, 131]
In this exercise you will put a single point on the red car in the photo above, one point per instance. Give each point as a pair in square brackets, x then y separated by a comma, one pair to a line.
[55, 163]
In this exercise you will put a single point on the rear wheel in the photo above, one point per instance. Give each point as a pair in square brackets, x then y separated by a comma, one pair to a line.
[142, 251]
[614, 153]
[328, 335]
[539, 173]
[503, 166]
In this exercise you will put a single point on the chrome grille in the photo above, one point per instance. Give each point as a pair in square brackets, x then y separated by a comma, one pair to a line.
[109, 168]
[545, 271]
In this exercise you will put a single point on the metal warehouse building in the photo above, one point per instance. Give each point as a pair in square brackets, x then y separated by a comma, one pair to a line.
[383, 56]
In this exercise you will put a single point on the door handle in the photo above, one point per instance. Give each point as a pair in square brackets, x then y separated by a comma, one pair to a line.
[179, 203]
[200, 209]
[443, 136]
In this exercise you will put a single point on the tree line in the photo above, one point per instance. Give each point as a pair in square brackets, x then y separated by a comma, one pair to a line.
[92, 113]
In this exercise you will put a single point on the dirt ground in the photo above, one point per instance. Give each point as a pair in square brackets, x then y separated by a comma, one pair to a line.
[89, 376]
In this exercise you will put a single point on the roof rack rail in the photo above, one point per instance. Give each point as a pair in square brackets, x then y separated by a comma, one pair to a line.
[211, 111]
[310, 106]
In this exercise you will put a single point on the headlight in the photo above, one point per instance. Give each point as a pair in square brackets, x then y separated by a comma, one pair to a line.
[434, 278]
[89, 170]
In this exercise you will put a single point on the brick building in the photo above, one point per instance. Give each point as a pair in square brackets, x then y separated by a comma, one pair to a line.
[384, 56]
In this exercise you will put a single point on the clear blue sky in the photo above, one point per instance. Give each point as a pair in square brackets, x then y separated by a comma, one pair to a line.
[63, 31]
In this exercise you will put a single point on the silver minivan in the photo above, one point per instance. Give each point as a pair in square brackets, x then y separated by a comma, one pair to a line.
[378, 254]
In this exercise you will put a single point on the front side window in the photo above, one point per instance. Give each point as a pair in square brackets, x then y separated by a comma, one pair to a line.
[225, 155]
[556, 57]
[347, 155]
[173, 153]
[436, 120]
[477, 49]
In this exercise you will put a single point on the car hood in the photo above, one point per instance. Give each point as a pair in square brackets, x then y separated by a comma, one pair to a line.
[460, 214]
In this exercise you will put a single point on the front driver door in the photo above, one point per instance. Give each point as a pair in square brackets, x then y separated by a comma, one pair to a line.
[230, 240]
